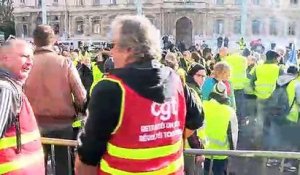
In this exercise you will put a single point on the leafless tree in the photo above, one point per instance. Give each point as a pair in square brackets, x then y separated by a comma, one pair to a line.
[6, 11]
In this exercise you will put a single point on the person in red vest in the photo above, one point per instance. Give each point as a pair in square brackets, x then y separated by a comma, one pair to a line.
[139, 113]
[21, 151]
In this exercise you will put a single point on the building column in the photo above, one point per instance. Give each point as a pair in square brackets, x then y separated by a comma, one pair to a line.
[86, 30]
[71, 26]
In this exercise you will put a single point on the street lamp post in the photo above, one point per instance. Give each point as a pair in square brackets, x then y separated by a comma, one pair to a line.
[244, 16]
[44, 12]
[139, 7]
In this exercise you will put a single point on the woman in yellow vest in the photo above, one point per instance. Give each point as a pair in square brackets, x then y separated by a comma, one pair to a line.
[221, 128]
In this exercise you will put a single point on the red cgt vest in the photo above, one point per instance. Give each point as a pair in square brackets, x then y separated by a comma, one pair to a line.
[148, 137]
[30, 160]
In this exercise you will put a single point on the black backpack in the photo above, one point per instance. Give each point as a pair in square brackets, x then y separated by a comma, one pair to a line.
[278, 104]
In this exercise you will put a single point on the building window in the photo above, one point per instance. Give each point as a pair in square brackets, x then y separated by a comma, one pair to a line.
[25, 30]
[39, 21]
[256, 27]
[219, 26]
[237, 26]
[79, 26]
[39, 3]
[55, 1]
[22, 1]
[292, 29]
[96, 2]
[256, 2]
[97, 26]
[294, 2]
[56, 28]
[238, 2]
[273, 26]
[113, 2]
[275, 3]
[220, 2]
[80, 2]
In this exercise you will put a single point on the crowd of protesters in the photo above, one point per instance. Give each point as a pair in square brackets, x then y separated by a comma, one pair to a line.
[136, 106]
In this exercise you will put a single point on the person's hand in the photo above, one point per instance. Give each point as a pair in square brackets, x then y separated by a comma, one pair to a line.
[83, 169]
[199, 159]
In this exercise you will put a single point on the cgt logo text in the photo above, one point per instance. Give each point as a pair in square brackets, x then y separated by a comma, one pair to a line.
[165, 110]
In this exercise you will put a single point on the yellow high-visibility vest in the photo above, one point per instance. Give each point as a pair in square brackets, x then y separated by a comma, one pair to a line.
[293, 115]
[97, 76]
[267, 75]
[238, 65]
[216, 132]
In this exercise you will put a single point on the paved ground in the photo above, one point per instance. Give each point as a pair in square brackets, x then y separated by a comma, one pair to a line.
[244, 166]
[249, 166]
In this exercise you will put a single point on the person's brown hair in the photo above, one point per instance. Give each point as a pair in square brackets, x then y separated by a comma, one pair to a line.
[43, 35]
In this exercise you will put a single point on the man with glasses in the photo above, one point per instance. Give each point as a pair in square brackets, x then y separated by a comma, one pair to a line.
[138, 113]
[20, 145]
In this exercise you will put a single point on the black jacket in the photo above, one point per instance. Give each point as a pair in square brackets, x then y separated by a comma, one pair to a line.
[151, 80]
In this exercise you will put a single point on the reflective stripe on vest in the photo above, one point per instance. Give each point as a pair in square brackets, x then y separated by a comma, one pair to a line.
[8, 142]
[218, 142]
[22, 162]
[145, 153]
[171, 168]
[267, 75]
[77, 124]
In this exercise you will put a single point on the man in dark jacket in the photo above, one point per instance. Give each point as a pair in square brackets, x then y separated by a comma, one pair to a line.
[139, 93]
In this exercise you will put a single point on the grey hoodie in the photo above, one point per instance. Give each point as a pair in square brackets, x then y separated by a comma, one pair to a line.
[287, 78]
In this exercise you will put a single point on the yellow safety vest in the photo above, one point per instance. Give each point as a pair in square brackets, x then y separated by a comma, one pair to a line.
[23, 160]
[217, 118]
[75, 63]
[182, 74]
[293, 115]
[97, 76]
[267, 75]
[242, 45]
[238, 65]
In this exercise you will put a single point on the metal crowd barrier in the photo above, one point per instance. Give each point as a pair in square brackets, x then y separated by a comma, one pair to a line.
[263, 155]
[70, 144]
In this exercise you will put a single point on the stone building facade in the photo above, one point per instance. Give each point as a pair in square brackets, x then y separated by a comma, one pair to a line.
[186, 20]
